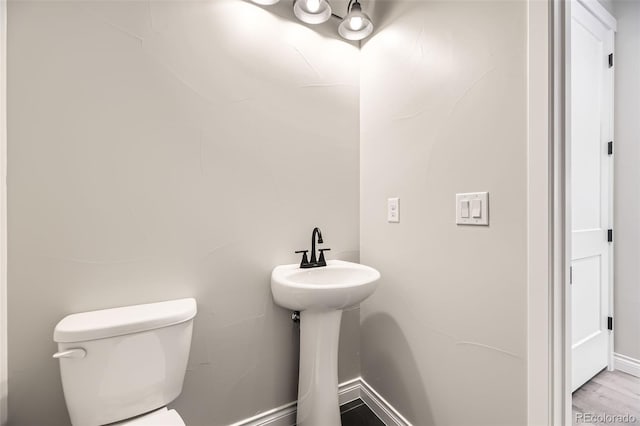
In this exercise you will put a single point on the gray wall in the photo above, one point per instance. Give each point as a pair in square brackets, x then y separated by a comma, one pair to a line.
[160, 150]
[443, 110]
[627, 180]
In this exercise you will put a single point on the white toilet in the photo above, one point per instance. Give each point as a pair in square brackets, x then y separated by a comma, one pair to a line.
[125, 364]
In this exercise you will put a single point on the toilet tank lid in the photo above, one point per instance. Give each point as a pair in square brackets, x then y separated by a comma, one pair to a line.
[125, 320]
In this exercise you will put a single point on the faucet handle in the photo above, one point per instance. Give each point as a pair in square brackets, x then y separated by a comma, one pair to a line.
[321, 260]
[304, 256]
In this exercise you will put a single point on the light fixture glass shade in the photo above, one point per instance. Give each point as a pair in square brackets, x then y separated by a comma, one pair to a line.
[265, 2]
[356, 25]
[312, 11]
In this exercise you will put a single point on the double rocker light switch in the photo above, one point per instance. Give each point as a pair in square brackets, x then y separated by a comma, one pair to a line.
[472, 208]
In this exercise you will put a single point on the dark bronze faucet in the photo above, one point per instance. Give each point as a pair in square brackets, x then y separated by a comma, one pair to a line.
[314, 263]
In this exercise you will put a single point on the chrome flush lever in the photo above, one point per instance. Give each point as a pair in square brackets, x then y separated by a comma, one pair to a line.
[75, 353]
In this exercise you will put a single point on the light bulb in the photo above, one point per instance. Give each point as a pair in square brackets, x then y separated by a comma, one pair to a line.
[313, 6]
[312, 11]
[356, 23]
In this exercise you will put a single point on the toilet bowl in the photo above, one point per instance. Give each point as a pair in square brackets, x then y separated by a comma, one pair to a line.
[123, 366]
[161, 417]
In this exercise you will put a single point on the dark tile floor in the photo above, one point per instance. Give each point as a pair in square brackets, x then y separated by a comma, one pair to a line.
[356, 413]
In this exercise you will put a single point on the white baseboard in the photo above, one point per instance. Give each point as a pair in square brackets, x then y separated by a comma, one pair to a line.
[626, 364]
[348, 391]
[385, 411]
[284, 415]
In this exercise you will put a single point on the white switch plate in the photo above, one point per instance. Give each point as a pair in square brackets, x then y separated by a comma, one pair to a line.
[393, 210]
[472, 198]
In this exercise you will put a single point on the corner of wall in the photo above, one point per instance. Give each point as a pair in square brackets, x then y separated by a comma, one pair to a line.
[3, 215]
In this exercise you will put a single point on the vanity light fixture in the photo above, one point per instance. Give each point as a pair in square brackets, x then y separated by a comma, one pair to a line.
[356, 25]
[265, 2]
[312, 11]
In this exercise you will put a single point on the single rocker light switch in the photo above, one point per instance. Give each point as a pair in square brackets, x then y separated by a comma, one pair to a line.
[464, 209]
[393, 210]
[476, 209]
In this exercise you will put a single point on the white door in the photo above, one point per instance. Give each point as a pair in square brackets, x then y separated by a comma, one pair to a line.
[591, 188]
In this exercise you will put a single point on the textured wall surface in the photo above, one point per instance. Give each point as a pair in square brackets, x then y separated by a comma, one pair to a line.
[164, 149]
[627, 179]
[443, 111]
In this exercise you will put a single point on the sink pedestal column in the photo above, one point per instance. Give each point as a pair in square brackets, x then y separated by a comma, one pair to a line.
[318, 403]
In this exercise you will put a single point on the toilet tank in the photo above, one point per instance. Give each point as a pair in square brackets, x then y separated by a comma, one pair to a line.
[122, 362]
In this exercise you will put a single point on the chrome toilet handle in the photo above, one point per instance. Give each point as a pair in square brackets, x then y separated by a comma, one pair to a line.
[76, 353]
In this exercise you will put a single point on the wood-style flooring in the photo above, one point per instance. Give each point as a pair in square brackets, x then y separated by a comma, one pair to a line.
[610, 398]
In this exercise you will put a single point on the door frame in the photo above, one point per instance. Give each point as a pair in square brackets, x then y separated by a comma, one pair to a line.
[3, 214]
[548, 234]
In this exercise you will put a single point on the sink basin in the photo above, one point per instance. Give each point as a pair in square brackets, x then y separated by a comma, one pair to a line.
[320, 294]
[335, 286]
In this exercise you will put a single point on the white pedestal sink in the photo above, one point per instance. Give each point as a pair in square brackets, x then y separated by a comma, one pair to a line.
[320, 294]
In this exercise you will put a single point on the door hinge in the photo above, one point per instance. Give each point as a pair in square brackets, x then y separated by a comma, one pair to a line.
[570, 274]
[610, 60]
[610, 235]
[610, 323]
[610, 148]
